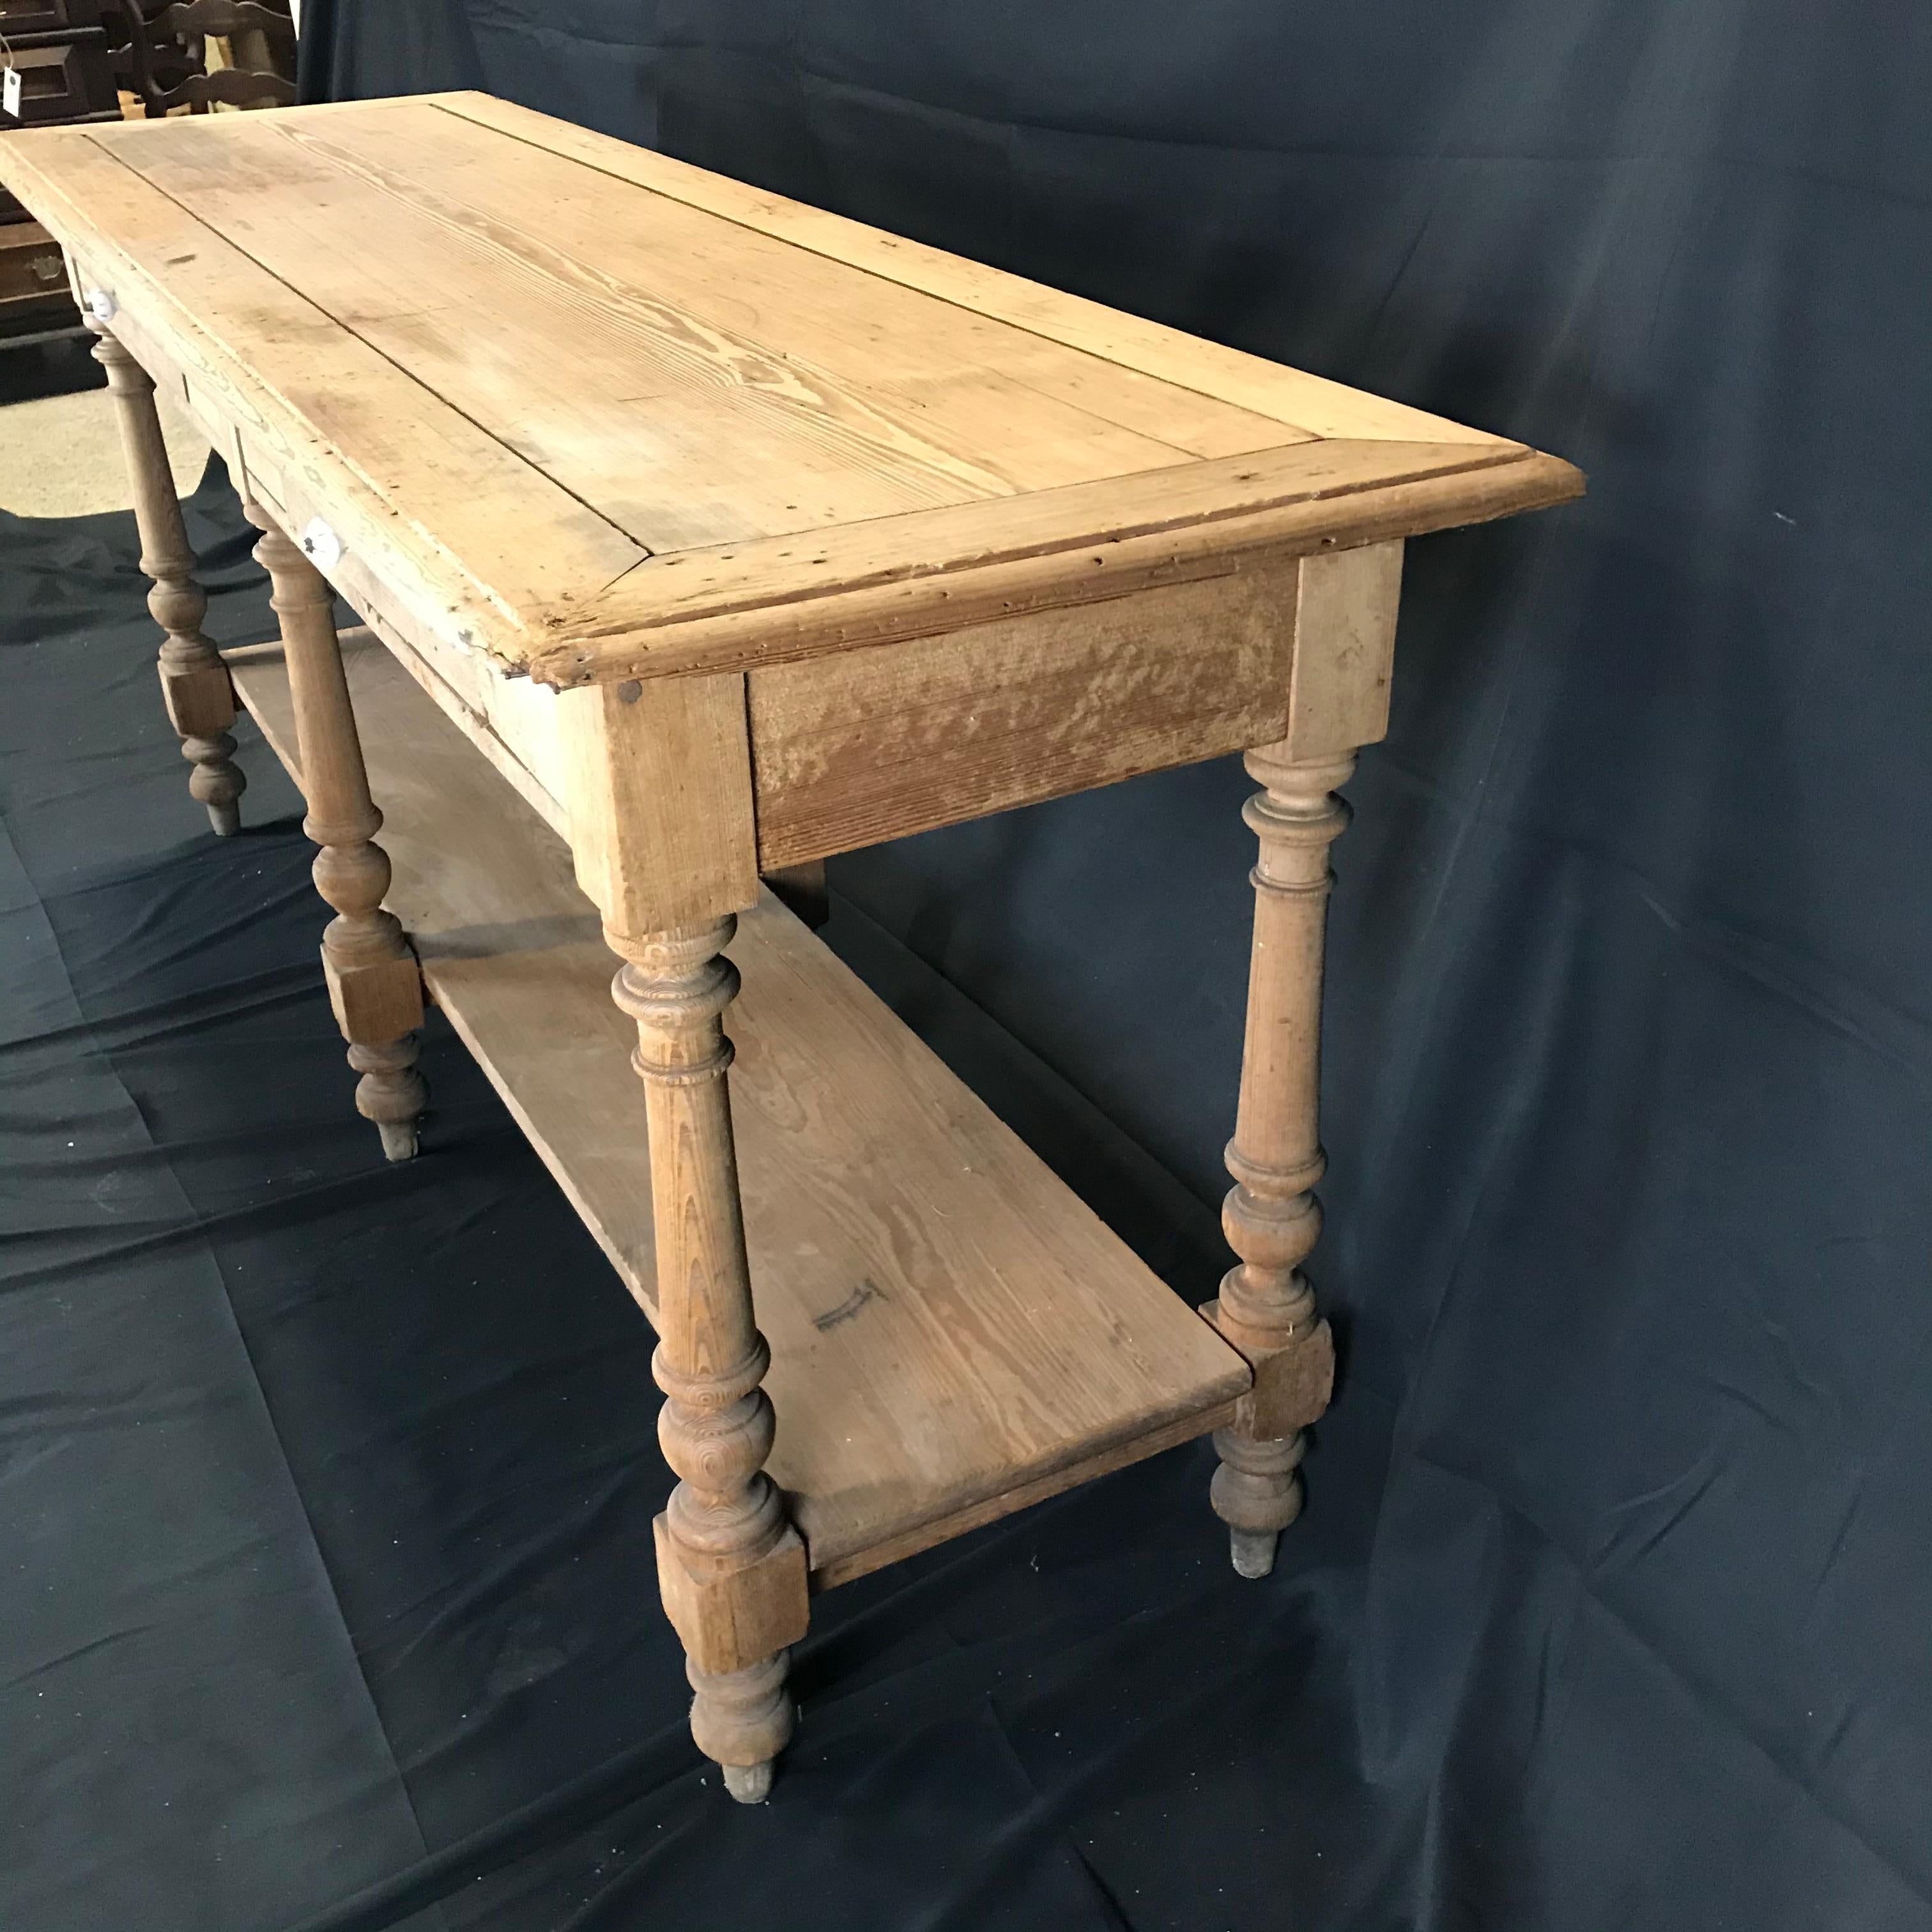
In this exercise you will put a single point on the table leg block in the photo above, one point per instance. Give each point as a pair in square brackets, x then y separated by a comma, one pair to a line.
[200, 698]
[729, 1618]
[1293, 1379]
[375, 1000]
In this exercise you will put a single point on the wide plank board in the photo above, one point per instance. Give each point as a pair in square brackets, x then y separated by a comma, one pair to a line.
[953, 366]
[953, 1333]
[695, 393]
[466, 533]
[1314, 405]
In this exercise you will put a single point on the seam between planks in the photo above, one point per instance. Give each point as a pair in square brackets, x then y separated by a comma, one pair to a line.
[377, 176]
[443, 107]
[408, 375]
[328, 147]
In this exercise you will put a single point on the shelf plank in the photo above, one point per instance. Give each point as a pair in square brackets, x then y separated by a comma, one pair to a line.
[954, 1334]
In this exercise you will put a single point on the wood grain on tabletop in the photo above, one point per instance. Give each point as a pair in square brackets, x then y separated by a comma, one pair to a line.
[605, 415]
[698, 382]
[459, 519]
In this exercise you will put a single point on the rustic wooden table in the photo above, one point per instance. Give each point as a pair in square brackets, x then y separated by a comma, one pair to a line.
[732, 534]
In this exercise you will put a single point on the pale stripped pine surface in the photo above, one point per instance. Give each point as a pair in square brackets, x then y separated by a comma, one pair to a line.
[953, 1333]
[696, 381]
[527, 371]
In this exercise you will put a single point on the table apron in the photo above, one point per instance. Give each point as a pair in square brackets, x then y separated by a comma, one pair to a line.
[850, 750]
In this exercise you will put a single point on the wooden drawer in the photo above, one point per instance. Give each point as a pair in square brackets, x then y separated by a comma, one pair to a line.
[32, 271]
[71, 81]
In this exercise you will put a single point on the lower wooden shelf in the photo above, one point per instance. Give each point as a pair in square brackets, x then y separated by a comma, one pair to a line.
[954, 1334]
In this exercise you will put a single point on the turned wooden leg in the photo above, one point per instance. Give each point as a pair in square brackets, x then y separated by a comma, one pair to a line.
[374, 984]
[194, 681]
[1266, 1309]
[730, 1566]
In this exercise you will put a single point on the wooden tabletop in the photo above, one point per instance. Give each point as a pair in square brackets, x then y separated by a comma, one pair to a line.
[601, 415]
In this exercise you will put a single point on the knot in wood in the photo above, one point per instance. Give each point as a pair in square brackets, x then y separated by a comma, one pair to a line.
[1314, 822]
[667, 1004]
[704, 1387]
[1278, 1183]
[719, 1454]
[1272, 1237]
[742, 1717]
[353, 876]
[718, 1525]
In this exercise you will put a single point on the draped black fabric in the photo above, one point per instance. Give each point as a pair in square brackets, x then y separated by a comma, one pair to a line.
[1610, 1607]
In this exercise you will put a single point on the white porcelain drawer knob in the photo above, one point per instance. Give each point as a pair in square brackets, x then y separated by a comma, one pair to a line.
[320, 544]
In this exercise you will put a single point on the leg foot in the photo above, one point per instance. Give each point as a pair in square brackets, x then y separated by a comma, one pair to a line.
[1257, 1492]
[742, 1719]
[1253, 1550]
[749, 1783]
[215, 780]
[391, 1093]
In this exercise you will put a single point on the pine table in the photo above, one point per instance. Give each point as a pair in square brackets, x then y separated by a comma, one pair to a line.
[700, 534]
